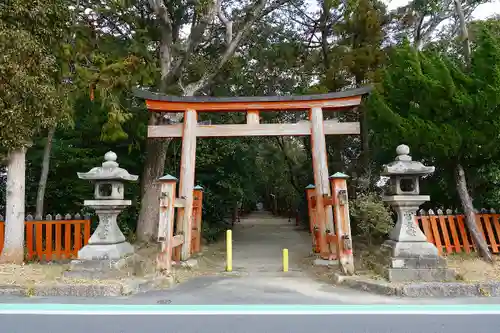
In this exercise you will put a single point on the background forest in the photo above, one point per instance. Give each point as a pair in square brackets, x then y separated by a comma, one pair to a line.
[435, 73]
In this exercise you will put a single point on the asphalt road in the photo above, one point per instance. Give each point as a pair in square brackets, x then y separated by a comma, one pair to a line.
[354, 323]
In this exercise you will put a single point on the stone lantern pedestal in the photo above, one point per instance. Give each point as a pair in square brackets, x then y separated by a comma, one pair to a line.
[107, 245]
[408, 255]
[107, 242]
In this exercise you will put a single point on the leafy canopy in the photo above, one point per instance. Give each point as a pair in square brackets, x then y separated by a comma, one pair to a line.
[445, 112]
[31, 91]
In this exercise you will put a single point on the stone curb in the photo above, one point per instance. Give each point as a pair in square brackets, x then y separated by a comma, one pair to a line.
[99, 289]
[12, 291]
[425, 289]
[77, 290]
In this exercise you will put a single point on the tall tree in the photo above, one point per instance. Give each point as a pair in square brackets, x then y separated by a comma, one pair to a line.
[424, 20]
[446, 112]
[177, 56]
[31, 96]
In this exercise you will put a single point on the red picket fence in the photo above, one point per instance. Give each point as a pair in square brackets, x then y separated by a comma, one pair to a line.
[55, 238]
[450, 235]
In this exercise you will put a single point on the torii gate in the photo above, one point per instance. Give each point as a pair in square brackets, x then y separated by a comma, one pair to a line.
[316, 127]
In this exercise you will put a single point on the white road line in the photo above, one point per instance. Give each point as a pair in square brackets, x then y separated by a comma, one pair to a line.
[240, 312]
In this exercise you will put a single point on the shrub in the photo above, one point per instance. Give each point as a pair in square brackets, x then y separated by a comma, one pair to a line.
[370, 216]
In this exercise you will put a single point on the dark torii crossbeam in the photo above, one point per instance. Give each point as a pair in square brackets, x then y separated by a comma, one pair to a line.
[316, 127]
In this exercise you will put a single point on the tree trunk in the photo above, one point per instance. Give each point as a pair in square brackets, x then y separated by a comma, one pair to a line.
[156, 153]
[13, 250]
[42, 184]
[470, 218]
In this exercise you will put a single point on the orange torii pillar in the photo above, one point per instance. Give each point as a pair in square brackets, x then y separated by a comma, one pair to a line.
[342, 222]
[186, 184]
[324, 214]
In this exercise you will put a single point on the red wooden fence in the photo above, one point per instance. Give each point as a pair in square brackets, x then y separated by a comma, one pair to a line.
[450, 235]
[53, 238]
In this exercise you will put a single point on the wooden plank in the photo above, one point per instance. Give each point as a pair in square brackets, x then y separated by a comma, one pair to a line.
[48, 241]
[488, 221]
[67, 239]
[177, 240]
[338, 103]
[435, 232]
[321, 181]
[330, 127]
[427, 228]
[463, 233]
[446, 237]
[480, 227]
[454, 234]
[58, 241]
[39, 240]
[86, 232]
[186, 182]
[496, 223]
[2, 235]
[180, 203]
[29, 239]
[253, 117]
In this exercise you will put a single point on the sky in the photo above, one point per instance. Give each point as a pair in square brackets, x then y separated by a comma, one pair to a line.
[482, 12]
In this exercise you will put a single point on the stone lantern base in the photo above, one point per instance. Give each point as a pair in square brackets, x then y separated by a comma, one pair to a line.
[407, 255]
[411, 264]
[107, 250]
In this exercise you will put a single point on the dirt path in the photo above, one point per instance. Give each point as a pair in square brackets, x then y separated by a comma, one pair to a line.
[258, 242]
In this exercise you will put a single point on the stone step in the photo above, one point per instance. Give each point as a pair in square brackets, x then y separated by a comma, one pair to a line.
[418, 262]
[420, 274]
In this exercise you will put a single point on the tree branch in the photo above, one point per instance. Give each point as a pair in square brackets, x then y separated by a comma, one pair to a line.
[227, 23]
[166, 42]
[161, 10]
[252, 15]
[194, 39]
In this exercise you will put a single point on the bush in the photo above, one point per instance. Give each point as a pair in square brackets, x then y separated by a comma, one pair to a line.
[371, 217]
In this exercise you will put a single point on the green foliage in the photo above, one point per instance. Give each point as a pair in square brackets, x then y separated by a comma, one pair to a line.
[424, 99]
[370, 217]
[32, 95]
[445, 113]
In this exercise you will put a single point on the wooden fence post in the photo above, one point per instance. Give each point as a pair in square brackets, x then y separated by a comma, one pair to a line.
[309, 195]
[342, 222]
[166, 223]
[198, 202]
[311, 212]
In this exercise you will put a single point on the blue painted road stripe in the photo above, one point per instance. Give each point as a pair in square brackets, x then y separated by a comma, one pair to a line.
[121, 309]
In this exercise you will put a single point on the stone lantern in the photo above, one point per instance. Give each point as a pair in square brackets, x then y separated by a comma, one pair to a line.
[107, 242]
[410, 256]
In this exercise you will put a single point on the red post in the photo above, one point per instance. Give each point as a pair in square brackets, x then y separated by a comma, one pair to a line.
[311, 211]
[342, 221]
[198, 204]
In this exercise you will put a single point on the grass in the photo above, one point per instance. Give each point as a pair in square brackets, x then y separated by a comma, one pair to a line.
[471, 268]
[30, 274]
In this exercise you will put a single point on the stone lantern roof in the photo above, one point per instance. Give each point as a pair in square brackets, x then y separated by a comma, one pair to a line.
[108, 171]
[403, 165]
